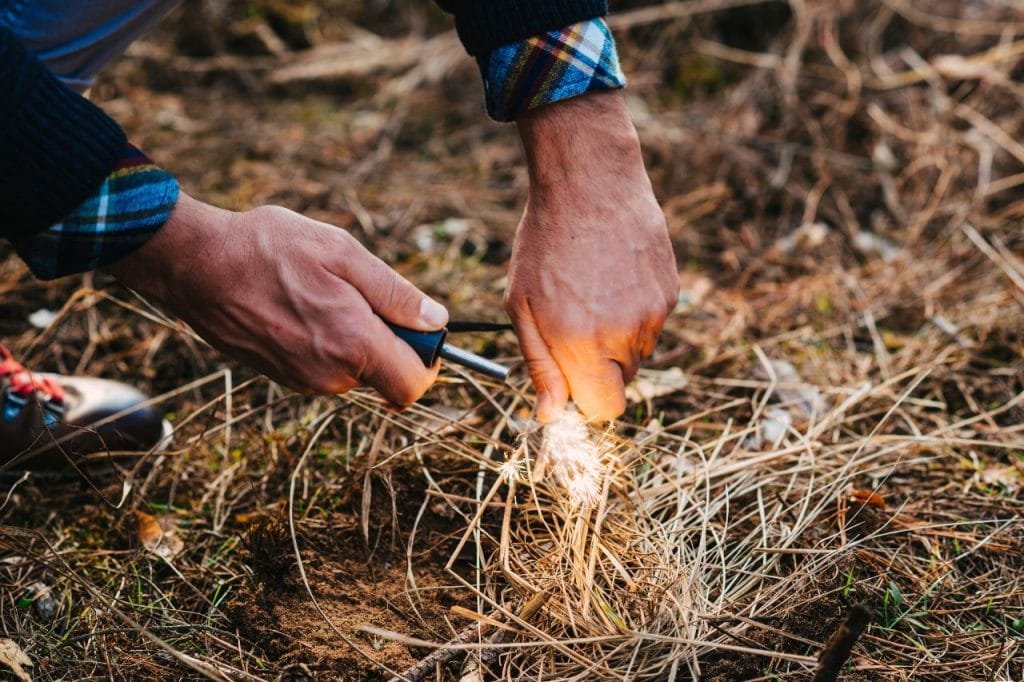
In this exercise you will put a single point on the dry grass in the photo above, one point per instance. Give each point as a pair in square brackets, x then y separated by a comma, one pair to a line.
[843, 187]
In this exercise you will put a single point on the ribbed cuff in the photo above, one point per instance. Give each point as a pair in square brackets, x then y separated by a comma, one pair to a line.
[484, 25]
[55, 147]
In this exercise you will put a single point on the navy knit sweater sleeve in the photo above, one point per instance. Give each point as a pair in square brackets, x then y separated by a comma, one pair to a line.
[55, 147]
[485, 25]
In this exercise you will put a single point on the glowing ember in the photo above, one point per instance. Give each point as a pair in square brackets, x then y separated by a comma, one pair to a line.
[573, 458]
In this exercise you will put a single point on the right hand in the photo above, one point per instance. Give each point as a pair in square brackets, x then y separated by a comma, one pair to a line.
[299, 300]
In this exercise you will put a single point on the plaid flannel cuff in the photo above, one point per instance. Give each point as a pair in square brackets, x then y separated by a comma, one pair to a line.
[549, 68]
[132, 203]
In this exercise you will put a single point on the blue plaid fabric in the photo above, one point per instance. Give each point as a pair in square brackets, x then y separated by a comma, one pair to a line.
[549, 68]
[133, 202]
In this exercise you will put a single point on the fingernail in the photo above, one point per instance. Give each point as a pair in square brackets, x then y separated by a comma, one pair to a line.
[433, 314]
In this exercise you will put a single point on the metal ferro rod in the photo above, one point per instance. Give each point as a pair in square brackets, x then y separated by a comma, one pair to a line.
[474, 362]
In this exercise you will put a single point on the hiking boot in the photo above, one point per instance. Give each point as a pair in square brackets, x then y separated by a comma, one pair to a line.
[48, 421]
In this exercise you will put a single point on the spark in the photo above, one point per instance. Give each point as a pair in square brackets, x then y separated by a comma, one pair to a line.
[573, 457]
[509, 470]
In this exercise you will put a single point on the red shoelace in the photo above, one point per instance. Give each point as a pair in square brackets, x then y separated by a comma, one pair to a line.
[24, 382]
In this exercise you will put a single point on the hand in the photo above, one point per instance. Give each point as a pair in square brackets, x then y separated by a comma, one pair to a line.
[593, 276]
[299, 300]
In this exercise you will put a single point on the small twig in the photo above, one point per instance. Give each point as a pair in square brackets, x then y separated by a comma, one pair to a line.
[840, 644]
[426, 667]
[530, 610]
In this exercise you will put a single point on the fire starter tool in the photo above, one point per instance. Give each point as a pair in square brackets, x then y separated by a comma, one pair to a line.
[433, 345]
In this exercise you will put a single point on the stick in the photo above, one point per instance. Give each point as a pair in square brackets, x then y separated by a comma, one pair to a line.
[840, 644]
[487, 656]
[439, 657]
[442, 656]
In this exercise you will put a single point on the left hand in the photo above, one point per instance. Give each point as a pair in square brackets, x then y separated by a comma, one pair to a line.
[593, 276]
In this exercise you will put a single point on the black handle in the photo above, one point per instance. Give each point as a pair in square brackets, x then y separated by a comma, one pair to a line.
[426, 344]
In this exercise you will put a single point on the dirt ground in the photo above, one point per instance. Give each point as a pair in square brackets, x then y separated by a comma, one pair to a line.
[817, 180]
[355, 584]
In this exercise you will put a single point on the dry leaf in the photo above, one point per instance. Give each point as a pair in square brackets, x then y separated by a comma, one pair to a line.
[867, 497]
[804, 238]
[693, 289]
[653, 383]
[803, 400]
[871, 244]
[1006, 476]
[158, 539]
[771, 430]
[43, 600]
[14, 658]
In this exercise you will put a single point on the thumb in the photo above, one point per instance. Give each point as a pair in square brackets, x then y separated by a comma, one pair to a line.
[391, 296]
[552, 388]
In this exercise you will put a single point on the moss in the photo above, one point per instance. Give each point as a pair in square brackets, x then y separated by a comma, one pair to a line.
[694, 75]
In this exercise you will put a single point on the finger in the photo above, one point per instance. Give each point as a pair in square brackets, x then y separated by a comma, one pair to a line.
[628, 357]
[645, 341]
[598, 388]
[393, 367]
[336, 385]
[628, 371]
[391, 296]
[548, 380]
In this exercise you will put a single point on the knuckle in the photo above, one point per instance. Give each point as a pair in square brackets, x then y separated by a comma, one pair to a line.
[390, 291]
[515, 303]
[629, 370]
[405, 394]
[270, 214]
[544, 373]
[359, 359]
[402, 295]
[339, 385]
[344, 248]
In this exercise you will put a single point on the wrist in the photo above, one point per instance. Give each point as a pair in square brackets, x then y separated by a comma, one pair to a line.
[568, 142]
[176, 254]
